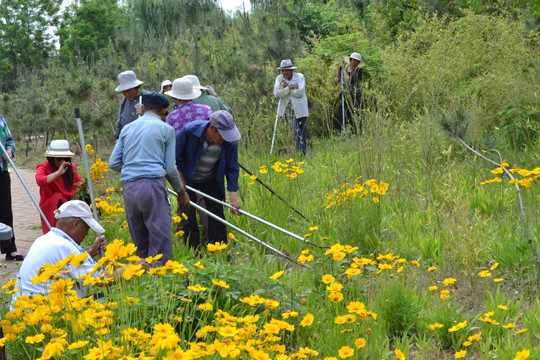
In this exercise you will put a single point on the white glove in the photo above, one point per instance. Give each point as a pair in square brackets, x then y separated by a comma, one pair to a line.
[211, 91]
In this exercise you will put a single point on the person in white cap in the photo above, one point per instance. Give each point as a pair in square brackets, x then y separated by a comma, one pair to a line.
[187, 110]
[208, 95]
[352, 79]
[130, 87]
[165, 86]
[57, 179]
[290, 89]
[206, 154]
[73, 220]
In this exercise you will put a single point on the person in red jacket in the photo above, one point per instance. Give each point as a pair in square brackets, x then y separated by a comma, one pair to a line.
[57, 179]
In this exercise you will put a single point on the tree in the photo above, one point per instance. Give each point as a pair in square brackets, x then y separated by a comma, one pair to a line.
[25, 39]
[87, 28]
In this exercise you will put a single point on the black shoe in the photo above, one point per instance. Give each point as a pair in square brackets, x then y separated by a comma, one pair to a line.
[14, 258]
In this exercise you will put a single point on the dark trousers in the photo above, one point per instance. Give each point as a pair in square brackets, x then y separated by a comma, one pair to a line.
[300, 134]
[6, 215]
[216, 230]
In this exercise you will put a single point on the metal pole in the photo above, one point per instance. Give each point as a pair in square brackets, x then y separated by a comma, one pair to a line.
[275, 126]
[26, 187]
[273, 192]
[342, 104]
[86, 164]
[297, 237]
[223, 221]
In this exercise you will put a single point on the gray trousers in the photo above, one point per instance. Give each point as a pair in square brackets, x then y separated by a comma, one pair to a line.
[148, 214]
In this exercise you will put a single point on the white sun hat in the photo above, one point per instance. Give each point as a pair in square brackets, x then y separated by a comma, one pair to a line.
[355, 56]
[165, 83]
[182, 89]
[195, 81]
[59, 148]
[128, 80]
[79, 209]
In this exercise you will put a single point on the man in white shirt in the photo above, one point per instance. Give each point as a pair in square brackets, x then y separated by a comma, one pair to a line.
[73, 220]
[290, 89]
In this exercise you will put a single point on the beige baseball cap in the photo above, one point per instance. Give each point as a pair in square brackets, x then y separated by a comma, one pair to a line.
[79, 209]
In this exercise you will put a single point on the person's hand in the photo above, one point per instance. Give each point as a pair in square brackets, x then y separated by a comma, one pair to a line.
[183, 198]
[293, 86]
[211, 91]
[233, 199]
[10, 154]
[143, 263]
[99, 243]
[63, 167]
[138, 109]
[284, 84]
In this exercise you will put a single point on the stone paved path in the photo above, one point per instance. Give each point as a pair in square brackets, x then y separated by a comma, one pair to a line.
[26, 223]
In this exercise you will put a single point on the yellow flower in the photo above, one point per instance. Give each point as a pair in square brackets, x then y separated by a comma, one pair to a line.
[415, 263]
[345, 352]
[176, 219]
[520, 331]
[78, 344]
[307, 320]
[449, 281]
[484, 273]
[184, 216]
[502, 307]
[433, 288]
[494, 266]
[350, 272]
[277, 275]
[35, 339]
[375, 200]
[220, 283]
[436, 326]
[445, 294]
[206, 307]
[522, 355]
[152, 259]
[460, 354]
[431, 268]
[399, 354]
[10, 284]
[132, 270]
[197, 288]
[509, 325]
[179, 233]
[218, 246]
[360, 343]
[328, 279]
[231, 236]
[313, 228]
[335, 296]
[457, 327]
[498, 279]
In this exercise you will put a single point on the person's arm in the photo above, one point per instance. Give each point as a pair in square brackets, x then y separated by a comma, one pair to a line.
[9, 143]
[118, 123]
[281, 88]
[232, 171]
[61, 171]
[116, 161]
[299, 89]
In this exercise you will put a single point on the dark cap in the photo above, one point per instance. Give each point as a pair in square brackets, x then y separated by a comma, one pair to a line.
[224, 123]
[154, 98]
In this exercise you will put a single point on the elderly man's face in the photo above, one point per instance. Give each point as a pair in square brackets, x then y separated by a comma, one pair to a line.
[131, 94]
[354, 63]
[166, 88]
[287, 73]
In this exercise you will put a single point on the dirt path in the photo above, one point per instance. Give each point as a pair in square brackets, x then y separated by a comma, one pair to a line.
[25, 220]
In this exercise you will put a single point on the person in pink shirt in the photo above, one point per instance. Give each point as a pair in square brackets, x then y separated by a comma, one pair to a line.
[57, 179]
[183, 93]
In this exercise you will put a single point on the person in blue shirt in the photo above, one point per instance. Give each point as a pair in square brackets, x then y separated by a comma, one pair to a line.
[206, 154]
[144, 154]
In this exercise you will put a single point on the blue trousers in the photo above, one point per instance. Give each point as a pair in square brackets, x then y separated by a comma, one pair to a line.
[148, 214]
[300, 134]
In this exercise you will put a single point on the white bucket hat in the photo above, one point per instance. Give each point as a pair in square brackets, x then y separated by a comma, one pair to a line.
[79, 209]
[165, 83]
[355, 56]
[286, 65]
[128, 80]
[182, 89]
[59, 148]
[195, 81]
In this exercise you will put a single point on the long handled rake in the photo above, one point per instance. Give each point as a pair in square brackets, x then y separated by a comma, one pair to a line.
[260, 242]
[273, 226]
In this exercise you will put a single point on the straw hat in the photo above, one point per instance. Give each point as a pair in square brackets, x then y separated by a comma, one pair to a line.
[128, 80]
[182, 89]
[286, 65]
[355, 56]
[59, 148]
